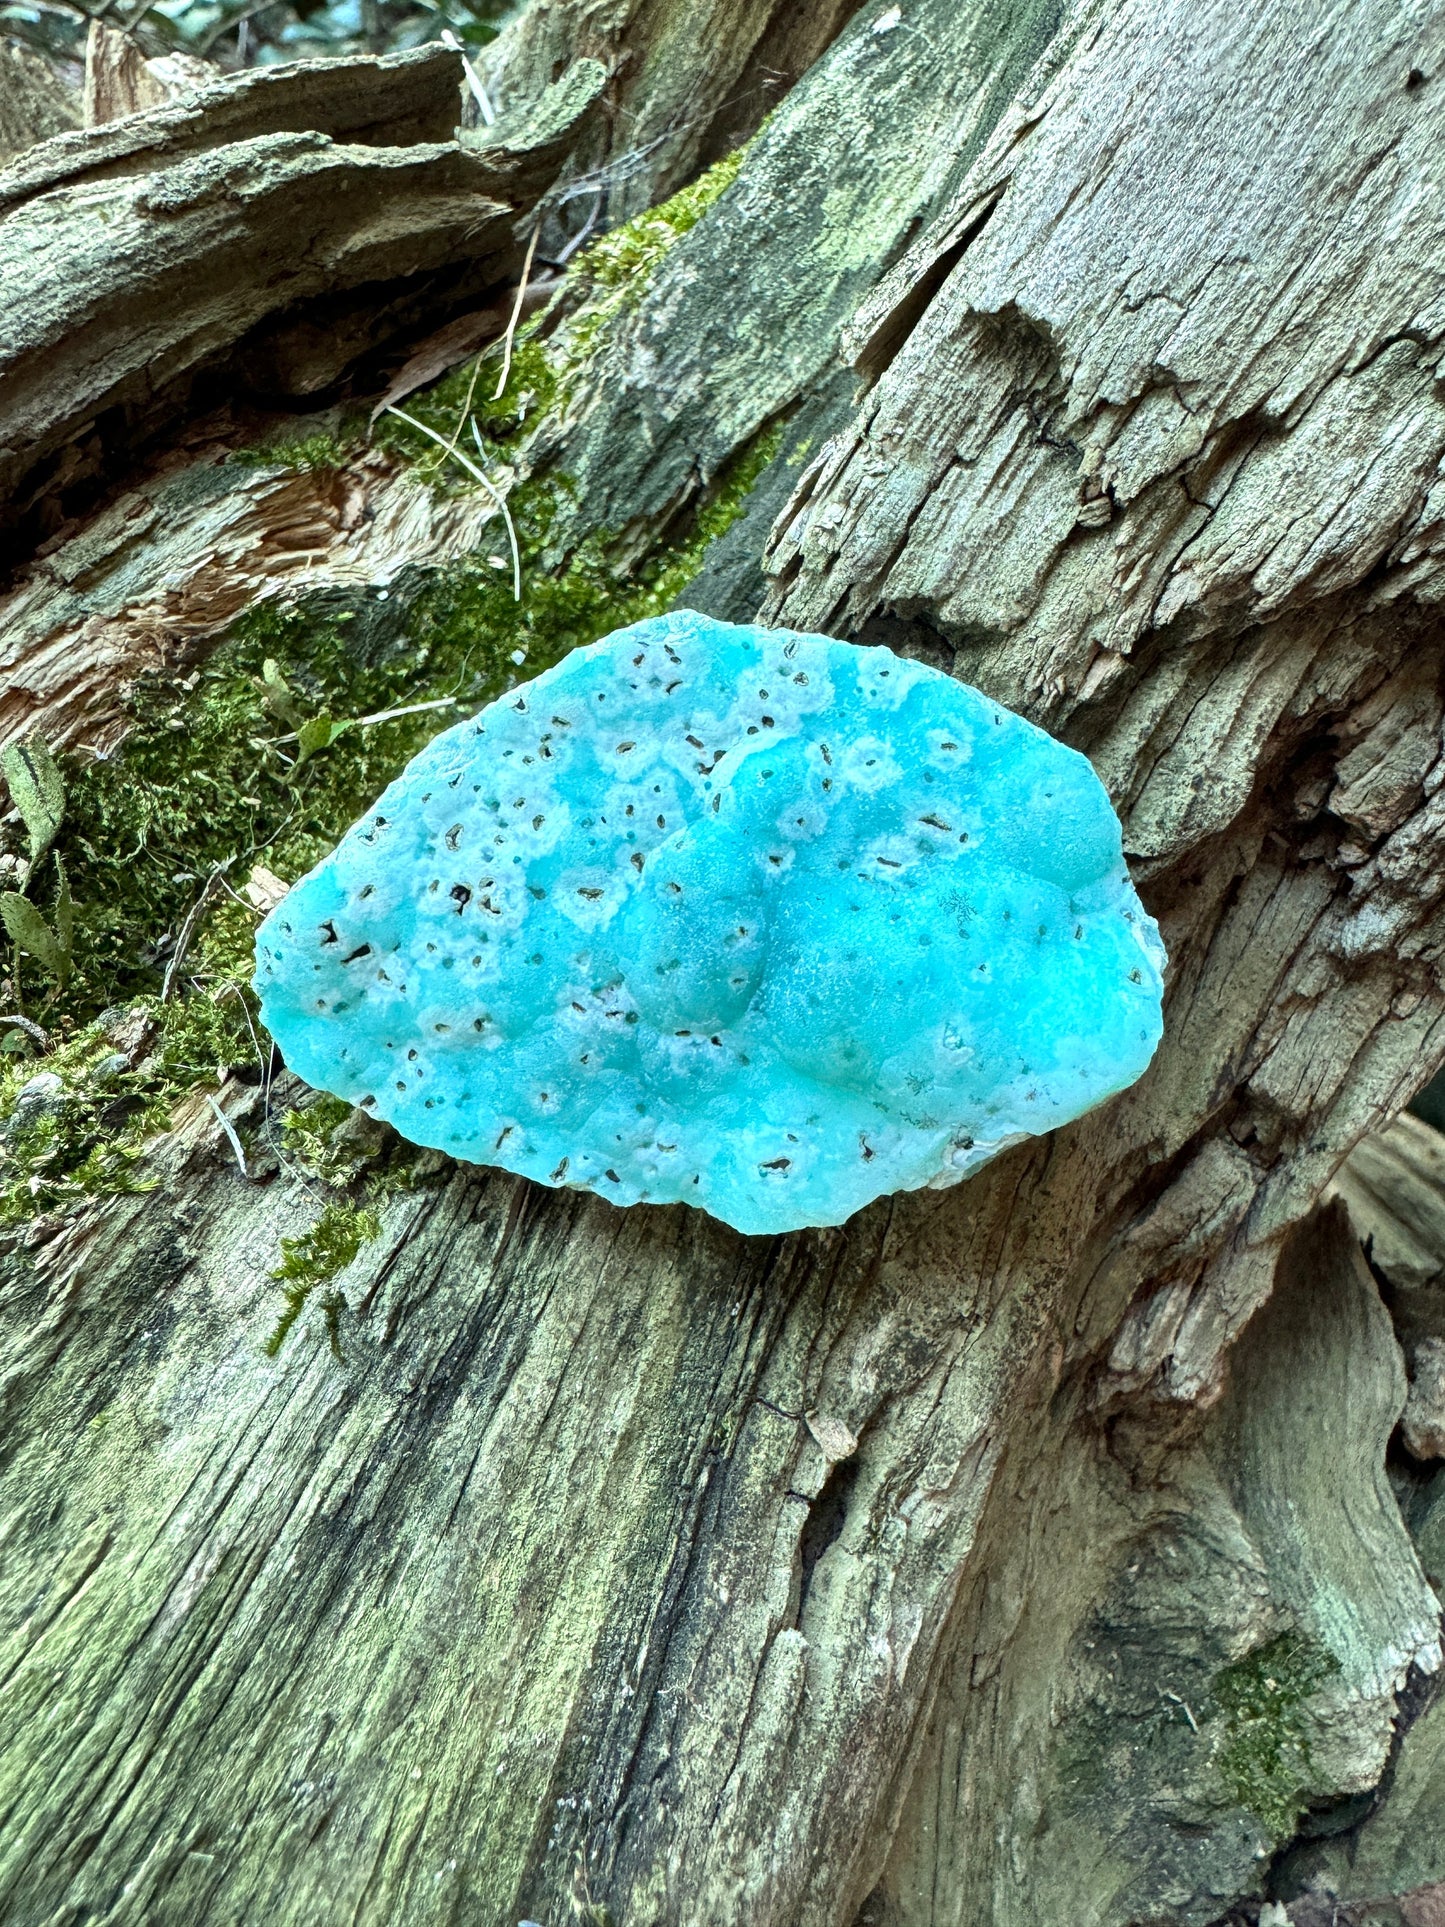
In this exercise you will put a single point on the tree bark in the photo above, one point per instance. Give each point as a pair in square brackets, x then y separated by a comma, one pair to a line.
[34, 102]
[1019, 1554]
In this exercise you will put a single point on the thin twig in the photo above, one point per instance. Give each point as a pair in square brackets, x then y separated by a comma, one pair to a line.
[231, 988]
[627, 164]
[230, 23]
[470, 466]
[560, 260]
[236, 897]
[188, 928]
[267, 1061]
[507, 338]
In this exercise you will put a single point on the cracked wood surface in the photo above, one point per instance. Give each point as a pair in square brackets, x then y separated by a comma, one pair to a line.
[686, 82]
[392, 102]
[169, 566]
[868, 148]
[1159, 464]
[1076, 1760]
[622, 1563]
[564, 1597]
[124, 287]
[34, 101]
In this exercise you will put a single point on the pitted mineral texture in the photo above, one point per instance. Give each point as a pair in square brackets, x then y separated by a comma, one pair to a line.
[764, 922]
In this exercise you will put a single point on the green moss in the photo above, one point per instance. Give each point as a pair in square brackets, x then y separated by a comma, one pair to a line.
[208, 782]
[200, 1039]
[1264, 1759]
[308, 1136]
[611, 276]
[346, 1149]
[58, 1160]
[85, 1136]
[317, 451]
[468, 394]
[314, 1259]
[630, 252]
[604, 281]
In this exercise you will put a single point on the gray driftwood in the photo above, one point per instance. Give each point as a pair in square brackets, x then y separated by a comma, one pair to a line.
[928, 1572]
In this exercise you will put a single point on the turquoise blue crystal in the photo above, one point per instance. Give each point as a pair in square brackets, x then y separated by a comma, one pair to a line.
[764, 922]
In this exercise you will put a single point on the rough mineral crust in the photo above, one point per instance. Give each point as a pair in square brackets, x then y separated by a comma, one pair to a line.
[764, 922]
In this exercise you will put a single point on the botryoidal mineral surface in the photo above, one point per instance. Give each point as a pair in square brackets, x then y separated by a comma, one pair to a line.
[766, 923]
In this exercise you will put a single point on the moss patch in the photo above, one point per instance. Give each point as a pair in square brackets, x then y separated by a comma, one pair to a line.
[74, 1126]
[362, 1162]
[206, 781]
[315, 451]
[1264, 1759]
[316, 1257]
[607, 279]
[209, 782]
[628, 254]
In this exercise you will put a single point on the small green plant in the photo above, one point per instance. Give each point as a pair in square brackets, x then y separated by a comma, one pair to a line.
[75, 1127]
[309, 1136]
[37, 789]
[1265, 1756]
[316, 1257]
[51, 948]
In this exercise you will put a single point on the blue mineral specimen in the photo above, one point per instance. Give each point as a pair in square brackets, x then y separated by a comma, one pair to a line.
[764, 922]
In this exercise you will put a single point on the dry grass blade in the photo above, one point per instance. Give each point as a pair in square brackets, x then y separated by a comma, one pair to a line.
[474, 79]
[232, 1137]
[511, 333]
[479, 475]
[511, 526]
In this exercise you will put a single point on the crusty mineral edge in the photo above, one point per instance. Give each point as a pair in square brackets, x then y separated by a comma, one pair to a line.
[547, 1598]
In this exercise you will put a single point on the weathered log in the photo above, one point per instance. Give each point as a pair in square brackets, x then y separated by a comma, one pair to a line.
[1393, 1186]
[120, 80]
[1136, 1583]
[1070, 474]
[273, 228]
[170, 565]
[687, 82]
[933, 1569]
[34, 102]
[400, 101]
[134, 283]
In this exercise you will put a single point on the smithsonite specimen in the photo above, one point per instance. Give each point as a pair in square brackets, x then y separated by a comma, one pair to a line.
[764, 922]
